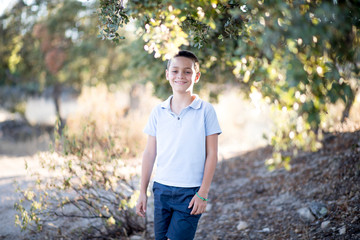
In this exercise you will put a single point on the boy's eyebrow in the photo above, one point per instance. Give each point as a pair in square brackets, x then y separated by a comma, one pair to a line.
[178, 67]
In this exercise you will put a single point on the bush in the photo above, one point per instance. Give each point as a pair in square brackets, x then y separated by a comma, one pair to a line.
[90, 191]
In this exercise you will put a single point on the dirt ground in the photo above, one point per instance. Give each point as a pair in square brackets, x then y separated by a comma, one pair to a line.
[249, 202]
[10, 171]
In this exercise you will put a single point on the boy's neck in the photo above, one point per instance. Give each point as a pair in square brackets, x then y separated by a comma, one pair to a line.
[181, 101]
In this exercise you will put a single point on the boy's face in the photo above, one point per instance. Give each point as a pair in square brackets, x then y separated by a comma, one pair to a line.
[182, 74]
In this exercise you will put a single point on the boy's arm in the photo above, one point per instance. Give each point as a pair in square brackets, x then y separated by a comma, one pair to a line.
[146, 170]
[199, 206]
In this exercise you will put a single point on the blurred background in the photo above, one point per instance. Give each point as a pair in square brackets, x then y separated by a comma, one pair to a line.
[55, 66]
[60, 76]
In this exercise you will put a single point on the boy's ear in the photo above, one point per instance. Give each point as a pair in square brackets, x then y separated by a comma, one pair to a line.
[167, 74]
[197, 77]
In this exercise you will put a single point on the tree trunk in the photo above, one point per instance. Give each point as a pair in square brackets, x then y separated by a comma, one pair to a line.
[56, 97]
[348, 105]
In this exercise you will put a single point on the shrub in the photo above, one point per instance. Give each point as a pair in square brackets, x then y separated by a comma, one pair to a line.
[90, 189]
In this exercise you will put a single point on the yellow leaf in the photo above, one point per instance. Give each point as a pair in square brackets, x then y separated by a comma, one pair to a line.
[247, 76]
[111, 221]
[212, 24]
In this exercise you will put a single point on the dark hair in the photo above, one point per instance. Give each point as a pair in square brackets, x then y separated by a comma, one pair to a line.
[187, 54]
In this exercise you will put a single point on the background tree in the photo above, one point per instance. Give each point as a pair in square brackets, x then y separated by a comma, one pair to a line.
[54, 45]
[299, 55]
[42, 48]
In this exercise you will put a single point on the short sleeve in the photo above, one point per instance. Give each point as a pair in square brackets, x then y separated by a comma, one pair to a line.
[150, 127]
[211, 121]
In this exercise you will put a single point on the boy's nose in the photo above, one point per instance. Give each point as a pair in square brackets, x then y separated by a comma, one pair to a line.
[181, 75]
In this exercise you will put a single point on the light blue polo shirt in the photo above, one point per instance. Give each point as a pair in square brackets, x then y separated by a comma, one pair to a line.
[180, 141]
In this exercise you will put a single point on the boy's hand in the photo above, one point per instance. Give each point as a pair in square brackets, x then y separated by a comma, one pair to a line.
[198, 205]
[141, 205]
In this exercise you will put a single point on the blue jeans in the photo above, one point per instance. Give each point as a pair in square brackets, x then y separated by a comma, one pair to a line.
[172, 217]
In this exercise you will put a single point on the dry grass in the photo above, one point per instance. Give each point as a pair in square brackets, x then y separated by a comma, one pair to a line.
[333, 121]
[110, 116]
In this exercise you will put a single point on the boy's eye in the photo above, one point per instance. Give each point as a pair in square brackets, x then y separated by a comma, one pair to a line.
[188, 72]
[174, 71]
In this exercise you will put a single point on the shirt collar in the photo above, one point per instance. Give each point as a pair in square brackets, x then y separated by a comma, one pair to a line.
[196, 104]
[166, 104]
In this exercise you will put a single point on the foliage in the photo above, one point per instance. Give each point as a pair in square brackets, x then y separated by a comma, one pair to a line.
[91, 169]
[89, 185]
[299, 55]
[50, 45]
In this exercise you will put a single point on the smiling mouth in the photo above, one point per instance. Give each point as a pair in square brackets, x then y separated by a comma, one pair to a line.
[180, 82]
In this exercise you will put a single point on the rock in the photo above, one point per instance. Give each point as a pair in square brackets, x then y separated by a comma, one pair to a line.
[325, 224]
[136, 237]
[355, 219]
[305, 214]
[342, 230]
[259, 189]
[278, 209]
[242, 225]
[318, 209]
[208, 207]
[265, 230]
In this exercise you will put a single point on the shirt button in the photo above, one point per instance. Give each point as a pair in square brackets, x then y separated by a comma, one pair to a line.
[178, 118]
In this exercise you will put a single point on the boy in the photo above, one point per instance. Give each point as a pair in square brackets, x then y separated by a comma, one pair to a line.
[183, 137]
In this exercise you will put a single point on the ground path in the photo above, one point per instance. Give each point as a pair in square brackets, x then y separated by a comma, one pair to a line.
[319, 198]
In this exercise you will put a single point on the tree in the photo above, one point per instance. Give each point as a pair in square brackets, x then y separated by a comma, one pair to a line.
[41, 49]
[300, 55]
[53, 44]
